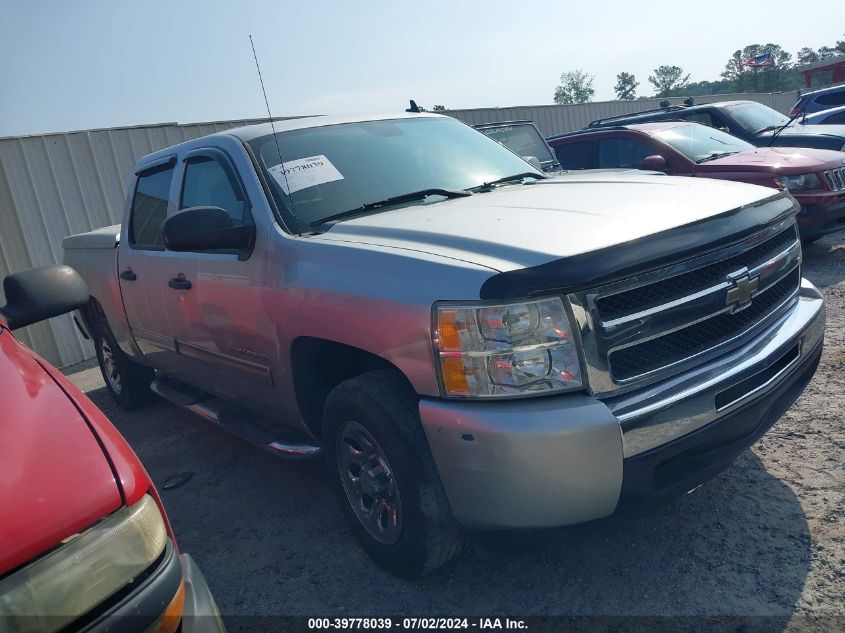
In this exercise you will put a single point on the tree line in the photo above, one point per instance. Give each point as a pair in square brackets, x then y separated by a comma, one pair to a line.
[576, 86]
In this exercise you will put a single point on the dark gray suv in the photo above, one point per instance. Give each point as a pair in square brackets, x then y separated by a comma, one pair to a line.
[754, 122]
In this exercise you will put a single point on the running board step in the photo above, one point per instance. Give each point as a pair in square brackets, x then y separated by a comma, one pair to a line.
[246, 424]
[177, 392]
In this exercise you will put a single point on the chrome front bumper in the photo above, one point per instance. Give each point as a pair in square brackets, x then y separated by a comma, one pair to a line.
[663, 412]
[561, 460]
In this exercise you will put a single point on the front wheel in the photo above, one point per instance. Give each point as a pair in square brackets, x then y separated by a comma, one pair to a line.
[127, 381]
[384, 475]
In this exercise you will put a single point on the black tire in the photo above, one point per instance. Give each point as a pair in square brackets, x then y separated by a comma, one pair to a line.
[127, 381]
[382, 403]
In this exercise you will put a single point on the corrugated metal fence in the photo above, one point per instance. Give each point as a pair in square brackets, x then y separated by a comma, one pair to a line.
[55, 185]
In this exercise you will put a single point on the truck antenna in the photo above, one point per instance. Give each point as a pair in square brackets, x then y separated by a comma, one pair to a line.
[275, 136]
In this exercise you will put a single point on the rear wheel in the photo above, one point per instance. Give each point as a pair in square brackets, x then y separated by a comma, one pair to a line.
[384, 475]
[127, 381]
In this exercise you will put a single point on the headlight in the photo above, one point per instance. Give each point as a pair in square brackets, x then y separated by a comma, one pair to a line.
[58, 588]
[802, 182]
[505, 350]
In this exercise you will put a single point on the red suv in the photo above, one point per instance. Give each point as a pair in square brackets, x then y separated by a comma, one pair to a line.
[85, 544]
[815, 177]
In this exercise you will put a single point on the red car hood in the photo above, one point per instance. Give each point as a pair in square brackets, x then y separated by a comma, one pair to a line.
[783, 160]
[55, 480]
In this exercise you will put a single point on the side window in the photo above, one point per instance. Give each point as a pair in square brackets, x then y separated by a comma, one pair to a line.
[832, 99]
[580, 155]
[623, 152]
[703, 117]
[149, 208]
[836, 118]
[208, 184]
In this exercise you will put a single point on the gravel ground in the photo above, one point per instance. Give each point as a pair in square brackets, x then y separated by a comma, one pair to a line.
[765, 538]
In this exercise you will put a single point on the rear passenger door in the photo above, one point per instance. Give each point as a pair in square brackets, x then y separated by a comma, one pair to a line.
[142, 264]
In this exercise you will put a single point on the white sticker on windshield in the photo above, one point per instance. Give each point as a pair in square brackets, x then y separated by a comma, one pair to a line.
[304, 172]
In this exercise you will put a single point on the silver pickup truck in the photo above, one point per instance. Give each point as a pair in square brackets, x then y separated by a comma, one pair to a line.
[469, 342]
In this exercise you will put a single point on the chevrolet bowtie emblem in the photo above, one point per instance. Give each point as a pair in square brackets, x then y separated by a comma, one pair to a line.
[743, 287]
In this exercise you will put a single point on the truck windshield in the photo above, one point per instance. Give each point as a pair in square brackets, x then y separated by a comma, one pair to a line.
[523, 139]
[334, 168]
[701, 142]
[756, 117]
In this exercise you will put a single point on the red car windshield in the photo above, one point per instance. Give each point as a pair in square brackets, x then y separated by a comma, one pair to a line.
[701, 143]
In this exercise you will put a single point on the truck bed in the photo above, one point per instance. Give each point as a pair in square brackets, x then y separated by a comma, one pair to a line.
[94, 256]
[106, 237]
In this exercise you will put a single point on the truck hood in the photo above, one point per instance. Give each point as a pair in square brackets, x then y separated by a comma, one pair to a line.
[56, 480]
[519, 226]
[786, 160]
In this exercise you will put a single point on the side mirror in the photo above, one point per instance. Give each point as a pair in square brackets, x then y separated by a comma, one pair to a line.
[205, 229]
[40, 293]
[654, 163]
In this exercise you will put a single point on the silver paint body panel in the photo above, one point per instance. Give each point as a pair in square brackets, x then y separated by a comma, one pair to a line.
[538, 462]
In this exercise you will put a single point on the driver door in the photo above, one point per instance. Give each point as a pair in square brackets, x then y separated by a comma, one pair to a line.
[226, 336]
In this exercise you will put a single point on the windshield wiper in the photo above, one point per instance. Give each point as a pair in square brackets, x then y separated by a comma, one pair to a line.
[769, 128]
[422, 194]
[487, 186]
[714, 156]
[782, 128]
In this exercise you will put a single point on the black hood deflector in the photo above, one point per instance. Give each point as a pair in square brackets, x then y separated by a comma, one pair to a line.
[621, 261]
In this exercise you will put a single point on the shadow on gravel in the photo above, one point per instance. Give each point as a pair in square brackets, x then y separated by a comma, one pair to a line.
[739, 545]
[271, 541]
[824, 260]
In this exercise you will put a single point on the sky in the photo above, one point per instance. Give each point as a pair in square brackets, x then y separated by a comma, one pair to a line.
[69, 65]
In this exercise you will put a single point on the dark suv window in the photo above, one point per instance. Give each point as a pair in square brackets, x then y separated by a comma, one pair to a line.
[207, 184]
[700, 116]
[832, 99]
[581, 155]
[623, 152]
[149, 207]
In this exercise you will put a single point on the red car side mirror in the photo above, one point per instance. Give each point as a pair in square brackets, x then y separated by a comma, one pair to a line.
[654, 163]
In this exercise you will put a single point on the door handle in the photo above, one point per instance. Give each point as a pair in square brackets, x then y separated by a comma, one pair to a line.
[179, 283]
[128, 275]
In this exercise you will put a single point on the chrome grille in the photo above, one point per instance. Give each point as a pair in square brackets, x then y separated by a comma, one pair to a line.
[835, 179]
[655, 325]
[622, 303]
[694, 339]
